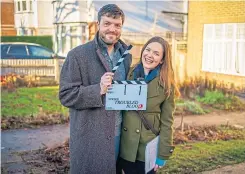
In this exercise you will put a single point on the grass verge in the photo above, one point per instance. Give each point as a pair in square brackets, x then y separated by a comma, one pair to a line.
[189, 107]
[31, 101]
[203, 156]
[30, 107]
[218, 100]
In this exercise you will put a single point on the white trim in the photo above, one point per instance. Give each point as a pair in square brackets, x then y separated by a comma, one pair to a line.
[232, 74]
[218, 58]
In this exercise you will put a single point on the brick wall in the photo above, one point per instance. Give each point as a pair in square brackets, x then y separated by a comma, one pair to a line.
[210, 12]
[7, 18]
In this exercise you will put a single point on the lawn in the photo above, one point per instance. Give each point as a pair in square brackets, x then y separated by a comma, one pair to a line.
[27, 102]
[33, 101]
[40, 106]
[203, 156]
[31, 107]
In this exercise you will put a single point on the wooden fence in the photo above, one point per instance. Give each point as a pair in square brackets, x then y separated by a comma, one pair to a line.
[33, 67]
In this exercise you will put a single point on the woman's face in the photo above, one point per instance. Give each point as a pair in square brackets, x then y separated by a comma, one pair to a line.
[152, 55]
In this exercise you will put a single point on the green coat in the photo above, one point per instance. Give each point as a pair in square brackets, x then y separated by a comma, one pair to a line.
[159, 112]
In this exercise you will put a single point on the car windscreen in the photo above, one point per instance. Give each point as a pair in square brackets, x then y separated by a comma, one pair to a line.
[17, 50]
[38, 51]
[4, 49]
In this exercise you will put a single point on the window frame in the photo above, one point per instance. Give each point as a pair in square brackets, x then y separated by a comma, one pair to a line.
[228, 64]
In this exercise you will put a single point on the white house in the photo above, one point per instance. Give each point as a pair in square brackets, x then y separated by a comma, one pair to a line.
[33, 17]
[70, 24]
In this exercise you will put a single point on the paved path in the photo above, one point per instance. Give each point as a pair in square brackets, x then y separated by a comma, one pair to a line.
[214, 118]
[232, 169]
[18, 140]
[33, 139]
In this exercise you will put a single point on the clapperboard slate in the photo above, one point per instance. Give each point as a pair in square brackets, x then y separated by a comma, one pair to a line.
[126, 95]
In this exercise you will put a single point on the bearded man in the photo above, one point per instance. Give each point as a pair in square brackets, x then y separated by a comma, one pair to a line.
[85, 77]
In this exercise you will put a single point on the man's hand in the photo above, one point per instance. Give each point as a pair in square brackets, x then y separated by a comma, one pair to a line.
[105, 82]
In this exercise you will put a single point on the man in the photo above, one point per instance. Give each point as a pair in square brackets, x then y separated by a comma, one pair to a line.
[85, 76]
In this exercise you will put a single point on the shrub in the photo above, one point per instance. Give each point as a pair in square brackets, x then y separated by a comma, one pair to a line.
[212, 97]
[218, 100]
[189, 107]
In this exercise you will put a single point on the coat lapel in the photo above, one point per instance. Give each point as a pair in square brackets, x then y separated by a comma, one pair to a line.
[99, 54]
[103, 60]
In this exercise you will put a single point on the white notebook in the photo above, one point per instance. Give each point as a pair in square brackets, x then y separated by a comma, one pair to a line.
[151, 151]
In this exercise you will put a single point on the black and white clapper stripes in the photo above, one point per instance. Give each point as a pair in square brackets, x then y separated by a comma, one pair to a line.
[132, 82]
[122, 58]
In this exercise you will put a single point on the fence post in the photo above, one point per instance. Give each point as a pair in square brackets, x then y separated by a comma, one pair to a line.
[57, 70]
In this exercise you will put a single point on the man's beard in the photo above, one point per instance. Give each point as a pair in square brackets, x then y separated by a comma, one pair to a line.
[107, 42]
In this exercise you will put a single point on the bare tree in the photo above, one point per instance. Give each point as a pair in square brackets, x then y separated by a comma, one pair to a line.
[62, 10]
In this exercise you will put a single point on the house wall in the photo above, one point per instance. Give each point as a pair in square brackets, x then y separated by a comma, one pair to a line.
[210, 12]
[45, 18]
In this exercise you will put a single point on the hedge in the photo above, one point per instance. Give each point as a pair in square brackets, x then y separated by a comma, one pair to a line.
[42, 40]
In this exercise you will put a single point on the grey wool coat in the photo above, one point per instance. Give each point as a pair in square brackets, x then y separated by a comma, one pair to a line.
[92, 128]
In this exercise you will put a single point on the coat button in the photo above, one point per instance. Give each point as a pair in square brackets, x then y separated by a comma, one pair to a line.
[125, 129]
[137, 131]
[109, 137]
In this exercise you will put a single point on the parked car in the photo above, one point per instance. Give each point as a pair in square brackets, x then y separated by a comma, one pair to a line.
[22, 50]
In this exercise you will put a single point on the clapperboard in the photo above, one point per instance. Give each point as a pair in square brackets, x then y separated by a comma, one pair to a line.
[126, 95]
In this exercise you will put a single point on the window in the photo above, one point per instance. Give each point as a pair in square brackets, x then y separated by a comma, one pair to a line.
[83, 34]
[74, 30]
[40, 52]
[24, 6]
[18, 6]
[64, 44]
[83, 29]
[4, 49]
[73, 41]
[224, 48]
[74, 37]
[30, 5]
[19, 50]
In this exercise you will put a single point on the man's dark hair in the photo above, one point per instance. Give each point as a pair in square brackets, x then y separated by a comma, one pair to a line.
[111, 10]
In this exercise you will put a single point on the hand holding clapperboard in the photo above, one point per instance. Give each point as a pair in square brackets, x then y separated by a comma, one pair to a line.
[126, 95]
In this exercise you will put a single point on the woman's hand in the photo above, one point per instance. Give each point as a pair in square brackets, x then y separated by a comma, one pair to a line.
[159, 164]
[105, 82]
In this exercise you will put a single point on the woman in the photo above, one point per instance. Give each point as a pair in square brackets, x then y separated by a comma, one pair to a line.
[155, 67]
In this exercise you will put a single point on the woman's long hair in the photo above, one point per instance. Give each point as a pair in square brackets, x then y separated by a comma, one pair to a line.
[167, 79]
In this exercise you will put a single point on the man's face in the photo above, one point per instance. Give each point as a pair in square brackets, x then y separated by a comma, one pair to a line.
[110, 29]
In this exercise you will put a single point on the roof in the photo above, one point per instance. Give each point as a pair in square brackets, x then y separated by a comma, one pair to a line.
[139, 15]
[20, 43]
